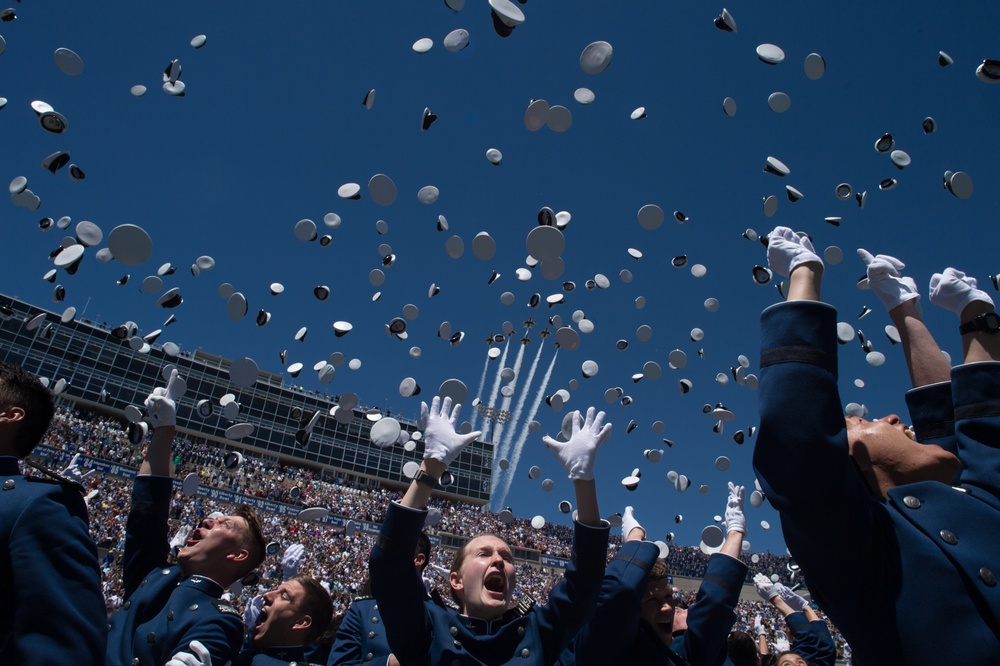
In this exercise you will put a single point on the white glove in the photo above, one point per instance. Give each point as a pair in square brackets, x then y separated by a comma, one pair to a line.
[291, 559]
[781, 641]
[765, 588]
[198, 656]
[441, 441]
[735, 519]
[758, 626]
[73, 473]
[885, 280]
[577, 455]
[180, 538]
[786, 250]
[629, 523]
[795, 601]
[953, 290]
[252, 611]
[162, 402]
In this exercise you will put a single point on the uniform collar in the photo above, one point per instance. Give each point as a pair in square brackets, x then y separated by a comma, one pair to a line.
[204, 584]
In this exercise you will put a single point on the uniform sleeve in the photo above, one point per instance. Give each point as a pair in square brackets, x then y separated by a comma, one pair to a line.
[221, 634]
[59, 613]
[932, 415]
[805, 642]
[605, 638]
[348, 649]
[976, 395]
[801, 456]
[397, 586]
[573, 599]
[711, 617]
[146, 543]
[826, 648]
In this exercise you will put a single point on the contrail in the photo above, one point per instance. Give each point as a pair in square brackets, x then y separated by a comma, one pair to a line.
[504, 448]
[496, 382]
[505, 404]
[479, 392]
[519, 444]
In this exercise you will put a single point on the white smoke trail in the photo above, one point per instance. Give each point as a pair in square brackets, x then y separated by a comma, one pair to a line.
[496, 381]
[479, 392]
[519, 444]
[515, 418]
[505, 404]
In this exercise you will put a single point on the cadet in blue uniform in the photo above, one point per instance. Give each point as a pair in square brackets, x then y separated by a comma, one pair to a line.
[633, 623]
[903, 563]
[51, 607]
[167, 607]
[811, 639]
[361, 636]
[487, 630]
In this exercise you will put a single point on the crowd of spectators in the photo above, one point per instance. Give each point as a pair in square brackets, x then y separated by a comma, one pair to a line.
[333, 556]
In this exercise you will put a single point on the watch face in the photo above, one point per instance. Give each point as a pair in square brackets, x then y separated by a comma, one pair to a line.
[992, 322]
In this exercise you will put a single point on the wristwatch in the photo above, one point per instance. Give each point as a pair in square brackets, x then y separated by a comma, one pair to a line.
[426, 479]
[988, 322]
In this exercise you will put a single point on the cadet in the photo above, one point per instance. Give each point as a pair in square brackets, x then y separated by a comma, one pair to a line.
[361, 637]
[50, 583]
[167, 607]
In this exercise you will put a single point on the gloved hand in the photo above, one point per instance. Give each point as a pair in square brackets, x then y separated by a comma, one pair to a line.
[162, 402]
[252, 612]
[786, 250]
[198, 656]
[886, 281]
[73, 473]
[765, 588]
[629, 523]
[291, 560]
[735, 519]
[795, 601]
[577, 455]
[441, 441]
[758, 626]
[180, 538]
[953, 290]
[781, 641]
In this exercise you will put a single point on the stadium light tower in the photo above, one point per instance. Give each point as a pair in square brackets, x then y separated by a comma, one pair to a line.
[492, 415]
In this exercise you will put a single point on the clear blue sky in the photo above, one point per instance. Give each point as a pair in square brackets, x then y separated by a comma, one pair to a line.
[272, 124]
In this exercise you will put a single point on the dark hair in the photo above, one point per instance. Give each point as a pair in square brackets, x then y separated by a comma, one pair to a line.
[20, 388]
[456, 564]
[316, 604]
[423, 546]
[253, 540]
[742, 649]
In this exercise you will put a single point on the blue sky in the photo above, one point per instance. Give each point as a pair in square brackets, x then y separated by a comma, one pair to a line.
[272, 125]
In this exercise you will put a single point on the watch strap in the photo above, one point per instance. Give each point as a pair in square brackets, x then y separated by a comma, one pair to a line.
[426, 479]
[988, 321]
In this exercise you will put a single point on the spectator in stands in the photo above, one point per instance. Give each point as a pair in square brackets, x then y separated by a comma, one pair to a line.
[361, 637]
[486, 630]
[50, 583]
[167, 607]
[870, 514]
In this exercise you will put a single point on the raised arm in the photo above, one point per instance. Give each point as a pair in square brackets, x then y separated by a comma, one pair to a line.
[955, 291]
[802, 456]
[899, 295]
[577, 456]
[395, 583]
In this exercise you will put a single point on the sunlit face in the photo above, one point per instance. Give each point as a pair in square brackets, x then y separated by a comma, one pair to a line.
[486, 578]
[281, 615]
[658, 607]
[888, 456]
[215, 540]
[791, 660]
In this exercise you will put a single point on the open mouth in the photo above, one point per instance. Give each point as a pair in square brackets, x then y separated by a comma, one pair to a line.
[495, 583]
[909, 433]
